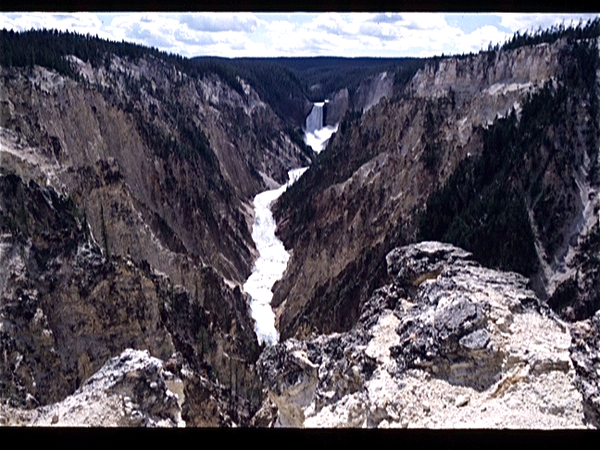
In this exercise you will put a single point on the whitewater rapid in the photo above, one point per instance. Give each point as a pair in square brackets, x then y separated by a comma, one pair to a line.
[273, 257]
[271, 262]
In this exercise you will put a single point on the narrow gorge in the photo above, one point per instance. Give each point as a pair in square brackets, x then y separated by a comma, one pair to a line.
[273, 257]
[204, 242]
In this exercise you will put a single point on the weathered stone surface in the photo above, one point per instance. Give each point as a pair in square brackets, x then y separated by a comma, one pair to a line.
[210, 405]
[372, 90]
[585, 353]
[449, 326]
[130, 390]
[337, 107]
[368, 93]
[266, 416]
[65, 309]
[292, 379]
[412, 265]
[467, 347]
[477, 340]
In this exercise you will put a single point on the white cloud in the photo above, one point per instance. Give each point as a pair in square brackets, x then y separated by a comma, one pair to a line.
[413, 21]
[425, 22]
[184, 36]
[280, 27]
[8, 23]
[384, 32]
[149, 29]
[414, 34]
[521, 22]
[480, 38]
[359, 34]
[296, 34]
[83, 23]
[218, 22]
[219, 34]
[386, 18]
[335, 23]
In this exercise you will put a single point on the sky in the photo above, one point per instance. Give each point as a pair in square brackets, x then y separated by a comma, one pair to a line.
[231, 34]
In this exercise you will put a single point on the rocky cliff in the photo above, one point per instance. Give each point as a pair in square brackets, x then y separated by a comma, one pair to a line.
[125, 223]
[131, 389]
[168, 163]
[368, 93]
[66, 309]
[371, 189]
[446, 344]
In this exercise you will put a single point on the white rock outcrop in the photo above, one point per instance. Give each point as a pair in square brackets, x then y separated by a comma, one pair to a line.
[449, 344]
[131, 389]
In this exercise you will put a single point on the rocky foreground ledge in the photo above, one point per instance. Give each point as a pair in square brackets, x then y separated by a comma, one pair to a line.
[447, 344]
[133, 389]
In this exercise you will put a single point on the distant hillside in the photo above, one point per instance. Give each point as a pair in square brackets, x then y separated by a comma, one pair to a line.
[290, 85]
[325, 75]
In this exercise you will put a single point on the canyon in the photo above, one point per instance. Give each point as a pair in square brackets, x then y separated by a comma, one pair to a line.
[436, 231]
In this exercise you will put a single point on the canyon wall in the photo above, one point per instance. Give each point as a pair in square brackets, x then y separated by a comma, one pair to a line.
[367, 192]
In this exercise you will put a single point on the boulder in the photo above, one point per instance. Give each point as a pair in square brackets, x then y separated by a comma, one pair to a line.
[585, 353]
[130, 390]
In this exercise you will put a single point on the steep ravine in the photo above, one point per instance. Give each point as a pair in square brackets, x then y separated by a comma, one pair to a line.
[273, 257]
[445, 341]
[364, 195]
[130, 159]
[143, 283]
[126, 224]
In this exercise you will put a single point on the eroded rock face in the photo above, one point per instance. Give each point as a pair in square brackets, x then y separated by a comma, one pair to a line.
[368, 93]
[447, 344]
[364, 201]
[502, 71]
[125, 223]
[410, 266]
[337, 107]
[366, 197]
[66, 309]
[130, 390]
[585, 353]
[169, 186]
[372, 90]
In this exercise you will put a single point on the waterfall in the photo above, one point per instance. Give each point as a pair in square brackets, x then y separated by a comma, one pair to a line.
[317, 134]
[314, 121]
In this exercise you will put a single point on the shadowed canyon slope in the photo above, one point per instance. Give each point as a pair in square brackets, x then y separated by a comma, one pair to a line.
[468, 143]
[126, 218]
[154, 154]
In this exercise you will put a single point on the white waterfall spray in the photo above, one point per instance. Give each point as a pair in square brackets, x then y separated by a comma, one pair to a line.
[314, 121]
[317, 134]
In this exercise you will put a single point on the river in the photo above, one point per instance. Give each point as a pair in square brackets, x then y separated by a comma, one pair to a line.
[273, 257]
